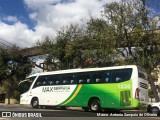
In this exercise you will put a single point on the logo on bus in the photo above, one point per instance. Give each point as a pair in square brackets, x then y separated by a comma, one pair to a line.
[56, 89]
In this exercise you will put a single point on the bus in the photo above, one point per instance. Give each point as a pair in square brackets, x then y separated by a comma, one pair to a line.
[94, 89]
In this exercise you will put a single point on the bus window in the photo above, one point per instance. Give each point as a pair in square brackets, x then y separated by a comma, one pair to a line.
[83, 78]
[73, 82]
[101, 76]
[89, 81]
[121, 75]
[68, 79]
[106, 76]
[52, 79]
[58, 82]
[141, 73]
[41, 81]
[65, 82]
[98, 77]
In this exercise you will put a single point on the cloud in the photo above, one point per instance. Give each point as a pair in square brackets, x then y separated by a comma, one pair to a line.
[18, 34]
[58, 13]
[10, 19]
[21, 35]
[49, 16]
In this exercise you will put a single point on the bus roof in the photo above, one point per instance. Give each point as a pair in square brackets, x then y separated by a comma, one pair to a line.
[82, 70]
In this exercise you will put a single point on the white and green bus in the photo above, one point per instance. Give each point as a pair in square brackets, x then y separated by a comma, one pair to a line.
[118, 87]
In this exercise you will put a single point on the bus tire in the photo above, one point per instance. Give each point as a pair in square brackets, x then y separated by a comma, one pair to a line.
[94, 105]
[35, 103]
[154, 110]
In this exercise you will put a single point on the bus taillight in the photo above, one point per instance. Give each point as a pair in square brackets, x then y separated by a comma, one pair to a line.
[137, 93]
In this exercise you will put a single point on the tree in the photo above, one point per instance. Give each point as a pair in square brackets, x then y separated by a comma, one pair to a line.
[99, 36]
[3, 70]
[85, 46]
[14, 67]
[136, 36]
[62, 53]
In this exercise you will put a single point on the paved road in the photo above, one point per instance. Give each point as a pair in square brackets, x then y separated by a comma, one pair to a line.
[70, 113]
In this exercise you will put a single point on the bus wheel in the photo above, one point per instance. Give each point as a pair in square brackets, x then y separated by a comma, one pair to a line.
[154, 110]
[35, 103]
[94, 105]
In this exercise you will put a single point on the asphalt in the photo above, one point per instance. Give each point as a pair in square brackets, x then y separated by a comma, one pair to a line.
[29, 106]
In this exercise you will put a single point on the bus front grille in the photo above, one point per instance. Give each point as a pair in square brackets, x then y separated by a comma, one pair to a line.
[125, 96]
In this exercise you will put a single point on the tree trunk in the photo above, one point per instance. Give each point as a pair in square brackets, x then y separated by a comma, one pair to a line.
[8, 100]
[9, 94]
[153, 87]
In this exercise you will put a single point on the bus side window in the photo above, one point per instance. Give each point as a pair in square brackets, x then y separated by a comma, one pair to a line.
[97, 77]
[73, 82]
[118, 79]
[106, 80]
[58, 82]
[67, 79]
[106, 76]
[121, 75]
[51, 83]
[88, 81]
[116, 76]
[98, 80]
[44, 83]
[81, 81]
[52, 79]
[65, 82]
[40, 81]
[39, 84]
[83, 78]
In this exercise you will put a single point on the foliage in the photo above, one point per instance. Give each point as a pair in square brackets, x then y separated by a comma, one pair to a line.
[151, 94]
[13, 68]
[137, 35]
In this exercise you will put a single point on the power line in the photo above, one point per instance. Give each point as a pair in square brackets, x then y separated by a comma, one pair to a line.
[5, 43]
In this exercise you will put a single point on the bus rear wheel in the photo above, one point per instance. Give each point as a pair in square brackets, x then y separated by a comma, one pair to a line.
[94, 105]
[35, 103]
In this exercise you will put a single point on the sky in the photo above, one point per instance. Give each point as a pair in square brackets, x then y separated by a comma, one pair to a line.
[23, 22]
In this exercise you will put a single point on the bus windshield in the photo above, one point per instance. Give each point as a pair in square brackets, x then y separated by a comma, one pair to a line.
[24, 85]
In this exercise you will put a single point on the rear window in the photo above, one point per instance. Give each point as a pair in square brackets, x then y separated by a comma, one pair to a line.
[141, 73]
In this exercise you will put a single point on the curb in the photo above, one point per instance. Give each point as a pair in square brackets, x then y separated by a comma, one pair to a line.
[75, 108]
